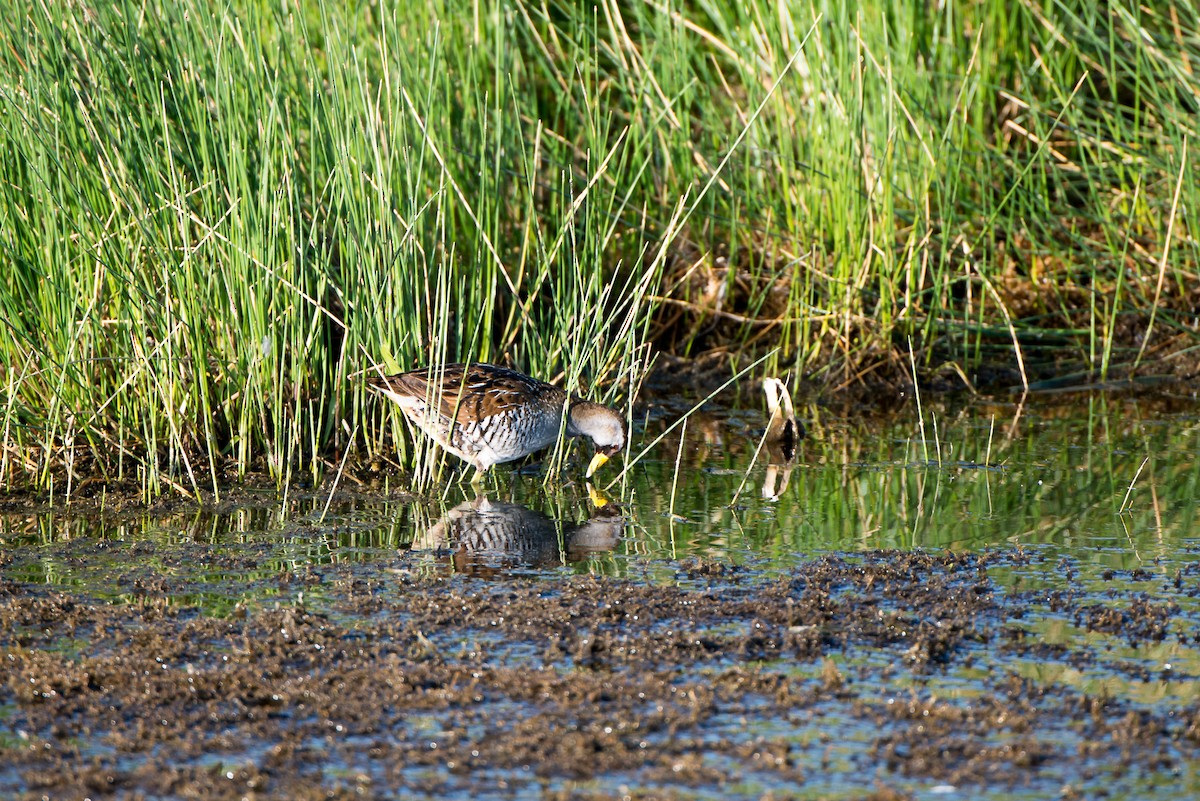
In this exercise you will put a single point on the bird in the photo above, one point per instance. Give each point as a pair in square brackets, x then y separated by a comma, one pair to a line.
[486, 415]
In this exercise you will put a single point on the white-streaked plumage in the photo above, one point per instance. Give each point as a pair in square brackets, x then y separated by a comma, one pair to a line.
[486, 415]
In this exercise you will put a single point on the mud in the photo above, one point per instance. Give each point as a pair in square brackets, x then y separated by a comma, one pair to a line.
[407, 678]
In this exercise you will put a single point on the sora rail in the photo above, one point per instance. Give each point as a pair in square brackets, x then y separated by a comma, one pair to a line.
[485, 414]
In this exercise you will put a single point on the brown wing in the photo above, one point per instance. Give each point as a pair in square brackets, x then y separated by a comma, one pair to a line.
[469, 393]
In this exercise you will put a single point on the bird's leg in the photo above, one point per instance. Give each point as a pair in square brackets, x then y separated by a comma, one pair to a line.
[477, 479]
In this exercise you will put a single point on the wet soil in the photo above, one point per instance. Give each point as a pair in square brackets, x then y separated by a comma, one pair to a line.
[407, 678]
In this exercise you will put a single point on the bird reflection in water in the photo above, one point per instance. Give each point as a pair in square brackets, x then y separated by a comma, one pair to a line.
[487, 538]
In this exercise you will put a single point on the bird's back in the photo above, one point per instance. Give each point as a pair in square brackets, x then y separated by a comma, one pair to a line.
[480, 412]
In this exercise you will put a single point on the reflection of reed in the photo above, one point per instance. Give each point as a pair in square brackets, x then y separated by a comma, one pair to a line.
[783, 432]
[776, 480]
[488, 537]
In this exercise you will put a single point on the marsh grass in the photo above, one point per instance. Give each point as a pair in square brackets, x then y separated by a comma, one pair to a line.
[215, 218]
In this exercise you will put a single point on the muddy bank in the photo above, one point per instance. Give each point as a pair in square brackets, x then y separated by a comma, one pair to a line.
[867, 676]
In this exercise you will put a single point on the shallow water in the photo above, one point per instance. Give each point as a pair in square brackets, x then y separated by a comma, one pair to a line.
[1089, 515]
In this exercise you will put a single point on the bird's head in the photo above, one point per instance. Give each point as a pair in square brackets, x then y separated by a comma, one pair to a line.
[604, 427]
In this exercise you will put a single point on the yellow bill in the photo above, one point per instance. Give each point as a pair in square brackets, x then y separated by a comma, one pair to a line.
[597, 462]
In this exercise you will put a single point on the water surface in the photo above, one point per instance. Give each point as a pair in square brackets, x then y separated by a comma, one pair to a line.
[1085, 517]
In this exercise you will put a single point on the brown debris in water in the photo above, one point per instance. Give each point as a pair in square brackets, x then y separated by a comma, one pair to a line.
[409, 682]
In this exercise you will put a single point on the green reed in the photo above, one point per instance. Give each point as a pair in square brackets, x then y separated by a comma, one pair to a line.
[215, 218]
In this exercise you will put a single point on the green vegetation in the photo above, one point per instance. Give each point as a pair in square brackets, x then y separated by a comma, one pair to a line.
[214, 217]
